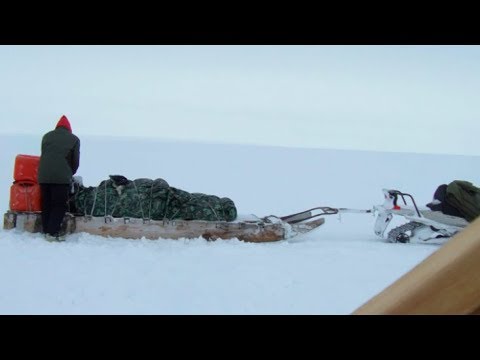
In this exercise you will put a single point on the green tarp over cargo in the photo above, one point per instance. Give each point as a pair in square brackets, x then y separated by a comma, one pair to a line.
[148, 199]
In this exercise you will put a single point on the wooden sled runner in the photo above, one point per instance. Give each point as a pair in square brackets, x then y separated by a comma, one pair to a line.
[252, 229]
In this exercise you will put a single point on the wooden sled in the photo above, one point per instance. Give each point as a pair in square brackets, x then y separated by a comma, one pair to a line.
[253, 229]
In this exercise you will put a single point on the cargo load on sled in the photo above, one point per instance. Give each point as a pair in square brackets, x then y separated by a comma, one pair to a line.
[147, 208]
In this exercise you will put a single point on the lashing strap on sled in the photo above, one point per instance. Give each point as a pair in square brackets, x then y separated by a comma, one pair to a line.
[94, 200]
[165, 218]
[105, 212]
[139, 200]
[105, 203]
[150, 205]
[215, 213]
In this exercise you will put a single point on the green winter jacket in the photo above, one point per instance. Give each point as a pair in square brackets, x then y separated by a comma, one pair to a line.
[465, 198]
[60, 157]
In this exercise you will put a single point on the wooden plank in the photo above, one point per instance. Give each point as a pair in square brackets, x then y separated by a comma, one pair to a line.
[250, 231]
[9, 220]
[31, 222]
[447, 282]
[176, 229]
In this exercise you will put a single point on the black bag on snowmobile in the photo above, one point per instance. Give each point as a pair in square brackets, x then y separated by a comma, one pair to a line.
[439, 203]
[465, 197]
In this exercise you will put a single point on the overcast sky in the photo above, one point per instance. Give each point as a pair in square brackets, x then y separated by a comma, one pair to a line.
[388, 98]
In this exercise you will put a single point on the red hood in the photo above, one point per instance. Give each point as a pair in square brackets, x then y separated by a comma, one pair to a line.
[63, 122]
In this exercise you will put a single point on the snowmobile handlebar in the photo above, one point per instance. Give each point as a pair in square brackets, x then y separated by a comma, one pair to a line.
[395, 193]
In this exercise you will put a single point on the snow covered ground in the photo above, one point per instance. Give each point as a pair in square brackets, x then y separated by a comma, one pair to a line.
[332, 270]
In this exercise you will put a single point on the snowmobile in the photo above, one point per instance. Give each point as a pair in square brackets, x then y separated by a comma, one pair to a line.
[421, 225]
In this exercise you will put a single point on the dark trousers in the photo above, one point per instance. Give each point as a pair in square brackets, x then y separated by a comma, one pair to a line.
[54, 206]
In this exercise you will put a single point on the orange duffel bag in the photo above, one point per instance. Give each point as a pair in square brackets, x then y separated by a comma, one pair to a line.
[25, 196]
[26, 168]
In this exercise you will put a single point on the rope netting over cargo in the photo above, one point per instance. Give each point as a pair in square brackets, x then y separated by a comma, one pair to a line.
[148, 199]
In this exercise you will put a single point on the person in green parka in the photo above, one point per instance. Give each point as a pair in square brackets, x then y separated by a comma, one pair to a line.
[59, 161]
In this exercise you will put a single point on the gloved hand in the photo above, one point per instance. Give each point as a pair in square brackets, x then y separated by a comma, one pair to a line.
[76, 182]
